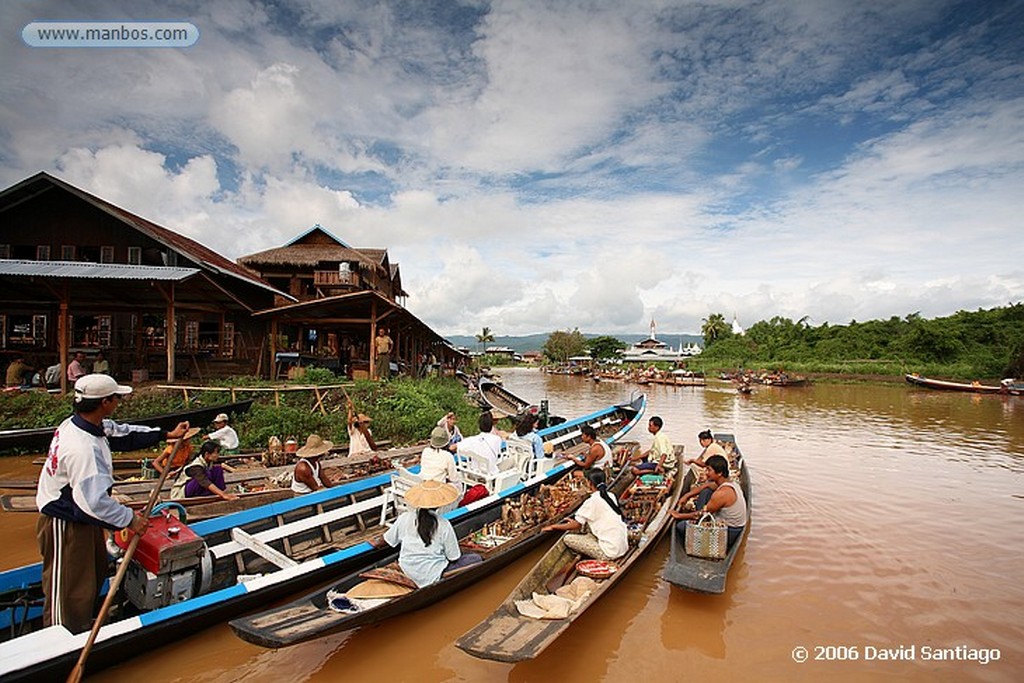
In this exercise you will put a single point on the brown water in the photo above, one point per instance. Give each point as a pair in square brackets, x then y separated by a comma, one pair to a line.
[883, 516]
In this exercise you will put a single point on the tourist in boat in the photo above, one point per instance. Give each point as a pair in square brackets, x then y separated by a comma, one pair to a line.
[74, 501]
[710, 447]
[203, 475]
[486, 444]
[223, 434]
[360, 438]
[660, 458]
[720, 496]
[598, 455]
[429, 545]
[437, 463]
[602, 534]
[308, 475]
[449, 423]
[526, 430]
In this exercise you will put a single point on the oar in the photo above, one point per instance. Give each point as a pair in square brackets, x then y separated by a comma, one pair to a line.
[76, 673]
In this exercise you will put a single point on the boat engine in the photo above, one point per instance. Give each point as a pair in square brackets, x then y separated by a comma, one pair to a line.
[170, 565]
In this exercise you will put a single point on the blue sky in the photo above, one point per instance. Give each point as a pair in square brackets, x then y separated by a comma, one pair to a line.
[547, 165]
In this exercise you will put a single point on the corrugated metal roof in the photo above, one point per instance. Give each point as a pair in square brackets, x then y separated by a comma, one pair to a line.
[105, 271]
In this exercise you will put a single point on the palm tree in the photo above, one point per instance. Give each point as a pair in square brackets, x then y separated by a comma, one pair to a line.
[484, 337]
[713, 328]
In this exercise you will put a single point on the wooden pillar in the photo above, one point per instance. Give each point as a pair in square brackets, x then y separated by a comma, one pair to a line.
[170, 333]
[273, 349]
[62, 341]
[373, 338]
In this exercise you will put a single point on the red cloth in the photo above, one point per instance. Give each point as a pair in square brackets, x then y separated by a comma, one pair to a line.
[474, 493]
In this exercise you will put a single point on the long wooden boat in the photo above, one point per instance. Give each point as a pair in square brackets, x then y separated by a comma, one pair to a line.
[254, 486]
[974, 387]
[249, 559]
[501, 400]
[507, 635]
[38, 439]
[696, 573]
[500, 535]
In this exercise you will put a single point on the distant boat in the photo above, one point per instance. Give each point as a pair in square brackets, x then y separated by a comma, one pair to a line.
[973, 387]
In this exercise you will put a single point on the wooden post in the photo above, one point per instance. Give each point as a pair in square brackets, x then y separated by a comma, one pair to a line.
[170, 333]
[273, 349]
[62, 341]
[373, 341]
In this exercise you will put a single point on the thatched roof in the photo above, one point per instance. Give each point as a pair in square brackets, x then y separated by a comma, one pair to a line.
[308, 255]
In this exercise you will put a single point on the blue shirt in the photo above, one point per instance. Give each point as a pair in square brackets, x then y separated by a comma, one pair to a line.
[537, 442]
[424, 564]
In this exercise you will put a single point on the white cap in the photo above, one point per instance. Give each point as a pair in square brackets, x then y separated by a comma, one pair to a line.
[98, 385]
[221, 417]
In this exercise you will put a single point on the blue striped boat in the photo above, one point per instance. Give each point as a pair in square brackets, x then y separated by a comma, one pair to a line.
[253, 557]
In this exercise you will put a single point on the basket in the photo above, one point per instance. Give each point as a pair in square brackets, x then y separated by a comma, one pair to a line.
[708, 538]
[596, 569]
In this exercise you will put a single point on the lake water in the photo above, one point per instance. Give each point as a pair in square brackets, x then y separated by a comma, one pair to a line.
[886, 520]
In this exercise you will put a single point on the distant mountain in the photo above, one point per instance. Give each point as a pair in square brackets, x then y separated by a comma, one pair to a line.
[535, 342]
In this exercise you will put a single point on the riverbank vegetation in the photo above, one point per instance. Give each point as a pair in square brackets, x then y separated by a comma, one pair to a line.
[403, 410]
[966, 345]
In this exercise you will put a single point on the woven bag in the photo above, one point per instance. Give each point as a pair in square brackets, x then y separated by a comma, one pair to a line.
[708, 538]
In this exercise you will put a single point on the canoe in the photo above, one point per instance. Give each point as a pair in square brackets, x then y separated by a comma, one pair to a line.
[494, 535]
[501, 400]
[38, 439]
[254, 486]
[509, 636]
[249, 559]
[696, 573]
[975, 387]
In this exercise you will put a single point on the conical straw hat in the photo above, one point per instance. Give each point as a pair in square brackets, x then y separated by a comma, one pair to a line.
[377, 588]
[431, 494]
[314, 446]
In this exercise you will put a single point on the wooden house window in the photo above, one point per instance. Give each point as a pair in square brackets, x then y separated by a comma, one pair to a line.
[5, 251]
[227, 348]
[39, 330]
[103, 328]
[135, 255]
[43, 252]
[107, 254]
[67, 252]
[192, 335]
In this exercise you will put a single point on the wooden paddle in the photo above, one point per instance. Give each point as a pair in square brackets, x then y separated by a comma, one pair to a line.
[76, 673]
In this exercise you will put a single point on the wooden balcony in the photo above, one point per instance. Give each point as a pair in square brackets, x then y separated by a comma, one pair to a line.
[334, 278]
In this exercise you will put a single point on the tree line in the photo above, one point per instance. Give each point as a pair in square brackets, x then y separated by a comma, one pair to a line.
[970, 344]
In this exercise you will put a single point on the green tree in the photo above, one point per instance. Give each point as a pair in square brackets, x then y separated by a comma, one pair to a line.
[605, 347]
[484, 337]
[561, 346]
[714, 328]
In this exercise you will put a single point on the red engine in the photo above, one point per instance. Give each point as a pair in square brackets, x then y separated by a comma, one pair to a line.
[170, 564]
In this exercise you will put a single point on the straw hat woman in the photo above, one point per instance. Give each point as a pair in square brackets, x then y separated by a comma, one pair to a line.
[308, 476]
[429, 546]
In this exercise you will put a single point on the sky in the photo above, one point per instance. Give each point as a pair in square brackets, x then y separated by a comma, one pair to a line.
[590, 164]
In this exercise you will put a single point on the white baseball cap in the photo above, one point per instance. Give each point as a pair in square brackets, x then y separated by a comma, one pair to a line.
[221, 417]
[98, 385]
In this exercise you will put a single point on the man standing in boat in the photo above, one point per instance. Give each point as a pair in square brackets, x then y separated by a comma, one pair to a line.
[360, 438]
[74, 500]
[224, 434]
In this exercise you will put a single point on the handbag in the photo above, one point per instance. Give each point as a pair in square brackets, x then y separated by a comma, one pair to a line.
[708, 538]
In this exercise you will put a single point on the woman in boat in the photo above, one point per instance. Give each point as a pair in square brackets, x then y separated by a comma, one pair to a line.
[720, 496]
[598, 455]
[604, 535]
[449, 424]
[360, 438]
[429, 545]
[437, 463]
[526, 430]
[711, 447]
[202, 476]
